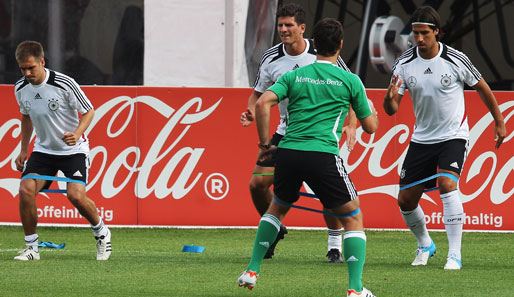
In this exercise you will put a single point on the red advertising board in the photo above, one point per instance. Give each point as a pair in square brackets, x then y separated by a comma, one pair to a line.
[178, 156]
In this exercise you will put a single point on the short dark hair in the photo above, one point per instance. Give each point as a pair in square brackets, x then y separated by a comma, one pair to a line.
[427, 14]
[327, 35]
[29, 48]
[292, 10]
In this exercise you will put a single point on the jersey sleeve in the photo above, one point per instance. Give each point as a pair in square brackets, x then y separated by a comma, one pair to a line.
[17, 94]
[469, 73]
[264, 79]
[359, 98]
[465, 69]
[76, 97]
[23, 110]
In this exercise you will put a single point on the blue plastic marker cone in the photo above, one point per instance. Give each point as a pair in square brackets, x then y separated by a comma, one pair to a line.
[50, 244]
[192, 249]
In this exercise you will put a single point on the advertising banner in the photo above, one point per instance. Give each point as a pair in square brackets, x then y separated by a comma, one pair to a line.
[179, 157]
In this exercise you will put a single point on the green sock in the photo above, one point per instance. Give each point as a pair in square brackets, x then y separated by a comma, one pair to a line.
[355, 255]
[266, 235]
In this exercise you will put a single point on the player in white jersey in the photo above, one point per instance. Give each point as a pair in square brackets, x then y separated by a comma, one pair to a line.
[293, 52]
[434, 74]
[50, 103]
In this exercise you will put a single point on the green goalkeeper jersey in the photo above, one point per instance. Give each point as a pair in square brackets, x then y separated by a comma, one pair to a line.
[319, 95]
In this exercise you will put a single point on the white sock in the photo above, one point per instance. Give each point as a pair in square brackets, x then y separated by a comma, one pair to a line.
[32, 240]
[100, 229]
[453, 221]
[415, 220]
[335, 239]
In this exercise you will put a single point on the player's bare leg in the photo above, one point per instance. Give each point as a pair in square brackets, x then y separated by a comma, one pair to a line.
[260, 188]
[28, 216]
[414, 218]
[28, 211]
[87, 208]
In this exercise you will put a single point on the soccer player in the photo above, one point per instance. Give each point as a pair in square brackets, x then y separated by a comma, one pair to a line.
[294, 51]
[434, 74]
[320, 95]
[50, 103]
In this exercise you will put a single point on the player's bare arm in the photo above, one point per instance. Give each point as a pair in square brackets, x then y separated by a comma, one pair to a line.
[350, 129]
[489, 100]
[370, 123]
[247, 117]
[262, 116]
[70, 138]
[392, 98]
[26, 133]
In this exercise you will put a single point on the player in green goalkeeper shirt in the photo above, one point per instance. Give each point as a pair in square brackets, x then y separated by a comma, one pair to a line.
[319, 95]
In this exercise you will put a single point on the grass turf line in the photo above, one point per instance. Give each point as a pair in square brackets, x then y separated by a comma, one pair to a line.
[150, 262]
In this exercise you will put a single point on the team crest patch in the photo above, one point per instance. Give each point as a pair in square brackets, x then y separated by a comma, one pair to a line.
[53, 104]
[402, 173]
[446, 80]
[411, 81]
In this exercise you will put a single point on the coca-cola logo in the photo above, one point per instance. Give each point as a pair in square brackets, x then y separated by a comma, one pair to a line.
[132, 160]
[178, 121]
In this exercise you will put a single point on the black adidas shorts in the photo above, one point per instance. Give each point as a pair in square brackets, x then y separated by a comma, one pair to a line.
[73, 166]
[275, 139]
[323, 172]
[423, 160]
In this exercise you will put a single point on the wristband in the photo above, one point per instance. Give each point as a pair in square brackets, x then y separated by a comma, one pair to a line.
[264, 146]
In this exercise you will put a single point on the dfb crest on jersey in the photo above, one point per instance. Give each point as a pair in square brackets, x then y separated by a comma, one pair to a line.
[53, 104]
[446, 80]
[411, 81]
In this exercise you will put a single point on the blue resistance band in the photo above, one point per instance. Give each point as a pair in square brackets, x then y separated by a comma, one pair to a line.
[52, 178]
[351, 214]
[449, 175]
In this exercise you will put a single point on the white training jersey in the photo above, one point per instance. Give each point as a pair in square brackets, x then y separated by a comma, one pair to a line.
[436, 87]
[53, 107]
[275, 62]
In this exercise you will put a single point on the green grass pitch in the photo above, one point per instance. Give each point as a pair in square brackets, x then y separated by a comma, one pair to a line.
[150, 262]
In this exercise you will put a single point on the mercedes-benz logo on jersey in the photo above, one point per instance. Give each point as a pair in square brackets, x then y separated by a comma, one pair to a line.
[412, 81]
[53, 104]
[446, 80]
